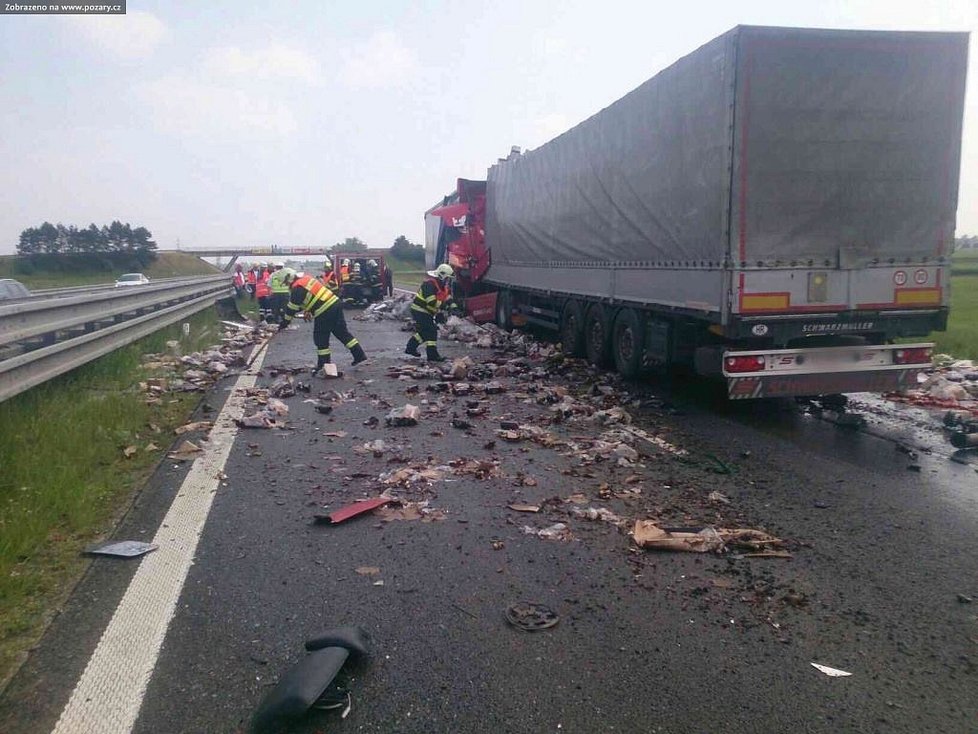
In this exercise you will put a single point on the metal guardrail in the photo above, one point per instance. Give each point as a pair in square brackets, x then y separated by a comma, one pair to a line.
[75, 328]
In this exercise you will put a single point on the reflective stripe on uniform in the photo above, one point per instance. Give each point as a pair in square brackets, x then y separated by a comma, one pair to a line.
[352, 343]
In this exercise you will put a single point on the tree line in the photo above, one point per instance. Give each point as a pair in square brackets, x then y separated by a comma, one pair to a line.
[402, 248]
[57, 239]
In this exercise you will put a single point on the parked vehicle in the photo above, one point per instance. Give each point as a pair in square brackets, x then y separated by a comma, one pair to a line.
[776, 207]
[131, 279]
[10, 288]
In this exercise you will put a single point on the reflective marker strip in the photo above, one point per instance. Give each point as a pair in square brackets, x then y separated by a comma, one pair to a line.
[109, 694]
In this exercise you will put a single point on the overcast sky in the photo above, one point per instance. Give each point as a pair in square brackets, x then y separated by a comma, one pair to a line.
[229, 122]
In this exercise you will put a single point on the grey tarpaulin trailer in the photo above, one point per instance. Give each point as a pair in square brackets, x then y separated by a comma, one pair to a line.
[777, 190]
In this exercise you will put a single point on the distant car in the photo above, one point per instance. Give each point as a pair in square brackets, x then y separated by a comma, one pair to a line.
[131, 279]
[10, 288]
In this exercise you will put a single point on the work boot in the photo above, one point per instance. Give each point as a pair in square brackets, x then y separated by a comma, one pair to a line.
[433, 355]
[412, 351]
[358, 354]
[323, 359]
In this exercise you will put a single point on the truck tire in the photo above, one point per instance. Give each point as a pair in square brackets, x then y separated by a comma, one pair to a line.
[572, 330]
[628, 342]
[504, 311]
[597, 335]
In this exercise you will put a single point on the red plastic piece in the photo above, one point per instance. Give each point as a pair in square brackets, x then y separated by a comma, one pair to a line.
[357, 508]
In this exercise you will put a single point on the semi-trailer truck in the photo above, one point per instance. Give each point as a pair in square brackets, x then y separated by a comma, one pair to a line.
[776, 208]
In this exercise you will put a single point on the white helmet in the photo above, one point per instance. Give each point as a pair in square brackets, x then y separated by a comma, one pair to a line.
[442, 271]
[278, 264]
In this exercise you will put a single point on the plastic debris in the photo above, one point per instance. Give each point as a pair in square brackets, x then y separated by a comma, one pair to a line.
[831, 672]
[121, 548]
[357, 508]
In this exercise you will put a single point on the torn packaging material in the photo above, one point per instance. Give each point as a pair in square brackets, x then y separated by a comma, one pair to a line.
[647, 534]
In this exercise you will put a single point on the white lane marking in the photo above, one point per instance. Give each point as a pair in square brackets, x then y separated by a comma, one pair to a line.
[402, 290]
[109, 694]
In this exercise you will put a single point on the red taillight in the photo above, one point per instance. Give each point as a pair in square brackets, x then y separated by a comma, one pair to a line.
[751, 363]
[917, 355]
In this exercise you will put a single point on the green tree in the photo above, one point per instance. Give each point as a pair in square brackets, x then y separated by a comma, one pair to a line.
[404, 249]
[350, 244]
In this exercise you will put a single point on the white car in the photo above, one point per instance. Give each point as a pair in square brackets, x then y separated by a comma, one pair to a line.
[129, 279]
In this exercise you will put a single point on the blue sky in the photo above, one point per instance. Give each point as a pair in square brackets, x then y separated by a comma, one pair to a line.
[221, 123]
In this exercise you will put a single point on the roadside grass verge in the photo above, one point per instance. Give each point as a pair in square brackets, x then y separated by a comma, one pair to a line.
[166, 265]
[961, 337]
[65, 480]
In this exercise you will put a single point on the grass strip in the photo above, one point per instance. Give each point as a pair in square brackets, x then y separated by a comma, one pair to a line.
[65, 480]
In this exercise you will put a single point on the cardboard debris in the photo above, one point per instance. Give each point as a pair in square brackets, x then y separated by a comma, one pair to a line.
[407, 511]
[557, 531]
[406, 416]
[195, 426]
[257, 420]
[647, 534]
[129, 451]
[524, 508]
[598, 513]
[186, 450]
[368, 570]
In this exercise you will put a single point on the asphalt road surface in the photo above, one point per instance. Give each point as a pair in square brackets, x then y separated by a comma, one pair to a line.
[647, 641]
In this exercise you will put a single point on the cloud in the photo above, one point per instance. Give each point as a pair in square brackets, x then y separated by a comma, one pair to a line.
[381, 61]
[190, 107]
[132, 36]
[550, 45]
[276, 61]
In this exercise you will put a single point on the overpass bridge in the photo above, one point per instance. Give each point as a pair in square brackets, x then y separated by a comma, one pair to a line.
[233, 253]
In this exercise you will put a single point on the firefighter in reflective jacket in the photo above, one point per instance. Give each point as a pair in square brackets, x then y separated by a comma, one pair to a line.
[263, 293]
[433, 298]
[309, 295]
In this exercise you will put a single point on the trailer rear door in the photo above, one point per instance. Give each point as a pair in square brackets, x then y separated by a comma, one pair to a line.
[845, 175]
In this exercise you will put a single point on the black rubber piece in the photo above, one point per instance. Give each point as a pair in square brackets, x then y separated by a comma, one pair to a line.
[305, 682]
[351, 637]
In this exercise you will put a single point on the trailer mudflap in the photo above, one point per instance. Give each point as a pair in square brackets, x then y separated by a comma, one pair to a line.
[482, 308]
[824, 371]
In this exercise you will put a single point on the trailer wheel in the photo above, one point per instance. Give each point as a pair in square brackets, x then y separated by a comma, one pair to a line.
[597, 336]
[572, 330]
[628, 342]
[504, 311]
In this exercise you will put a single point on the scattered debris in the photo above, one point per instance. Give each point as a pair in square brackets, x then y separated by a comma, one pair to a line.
[524, 508]
[831, 672]
[367, 570]
[357, 508]
[121, 549]
[965, 599]
[557, 531]
[129, 451]
[186, 450]
[718, 497]
[195, 426]
[598, 513]
[411, 511]
[531, 616]
[406, 416]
